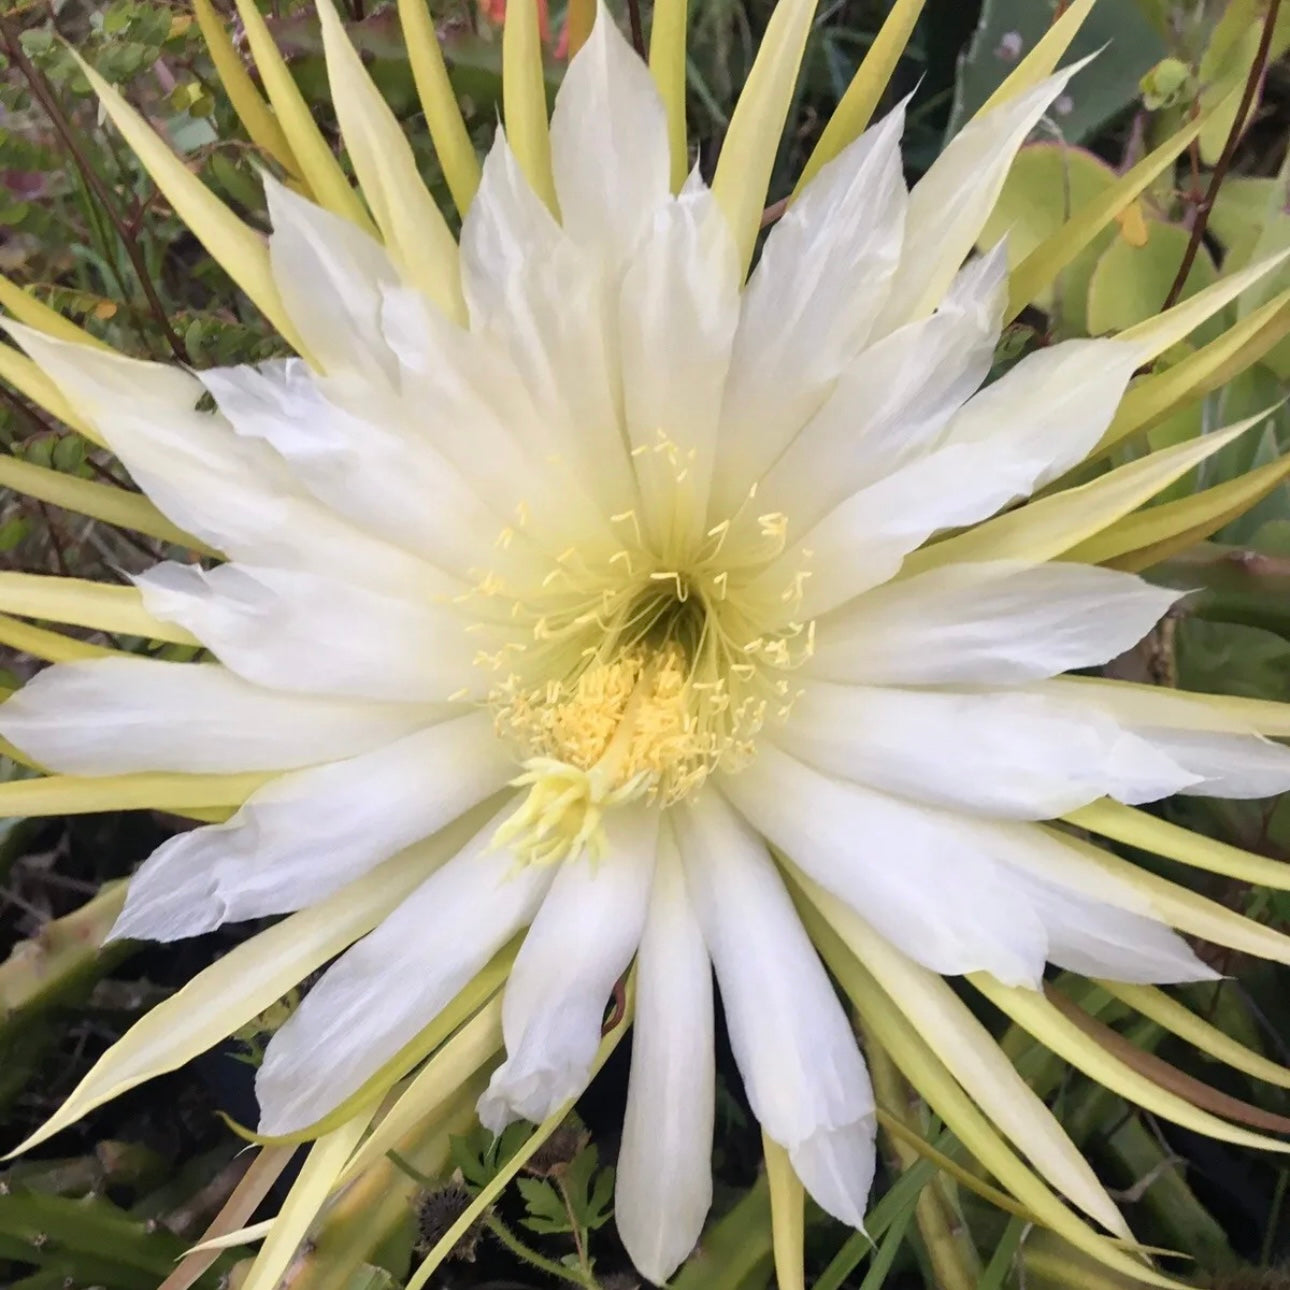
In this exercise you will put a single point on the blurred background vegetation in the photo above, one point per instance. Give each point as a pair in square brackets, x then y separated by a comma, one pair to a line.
[113, 1202]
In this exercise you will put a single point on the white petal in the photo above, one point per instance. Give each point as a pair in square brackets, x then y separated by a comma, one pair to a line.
[392, 984]
[580, 943]
[999, 754]
[609, 144]
[308, 633]
[929, 881]
[801, 1069]
[1052, 407]
[330, 275]
[664, 1188]
[1098, 940]
[542, 301]
[948, 207]
[304, 835]
[1226, 765]
[891, 404]
[361, 461]
[112, 716]
[812, 301]
[235, 494]
[678, 311]
[1000, 623]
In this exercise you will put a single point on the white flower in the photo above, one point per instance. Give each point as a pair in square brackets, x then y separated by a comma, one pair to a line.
[616, 570]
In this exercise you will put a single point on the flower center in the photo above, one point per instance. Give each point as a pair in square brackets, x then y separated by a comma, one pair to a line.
[638, 680]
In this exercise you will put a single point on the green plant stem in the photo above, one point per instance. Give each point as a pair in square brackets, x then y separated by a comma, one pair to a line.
[527, 1254]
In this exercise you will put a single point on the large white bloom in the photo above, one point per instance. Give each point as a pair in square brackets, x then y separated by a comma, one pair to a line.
[620, 564]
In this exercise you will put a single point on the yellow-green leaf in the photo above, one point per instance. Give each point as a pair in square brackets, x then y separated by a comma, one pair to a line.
[1041, 267]
[855, 110]
[1182, 709]
[748, 150]
[447, 128]
[54, 647]
[35, 313]
[528, 129]
[88, 795]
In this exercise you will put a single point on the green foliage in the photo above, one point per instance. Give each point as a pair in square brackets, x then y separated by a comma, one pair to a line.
[578, 1198]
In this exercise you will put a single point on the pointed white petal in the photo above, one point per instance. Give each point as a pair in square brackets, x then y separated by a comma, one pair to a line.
[580, 943]
[948, 207]
[892, 402]
[678, 310]
[1052, 407]
[1098, 940]
[233, 493]
[367, 461]
[112, 716]
[609, 145]
[392, 984]
[1226, 765]
[928, 880]
[664, 1187]
[1010, 754]
[1000, 623]
[308, 633]
[308, 833]
[801, 1069]
[808, 310]
[330, 275]
[541, 300]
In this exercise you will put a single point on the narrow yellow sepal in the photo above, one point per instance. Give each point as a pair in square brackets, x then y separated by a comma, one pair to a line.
[787, 1216]
[468, 1051]
[415, 232]
[19, 371]
[84, 603]
[1209, 367]
[99, 501]
[447, 127]
[1141, 540]
[1185, 909]
[473, 996]
[924, 1070]
[1055, 525]
[318, 167]
[528, 129]
[1166, 1011]
[748, 150]
[1043, 59]
[35, 313]
[249, 978]
[253, 112]
[235, 246]
[1038, 270]
[308, 1193]
[87, 795]
[1165, 330]
[501, 1180]
[53, 647]
[667, 44]
[855, 110]
[1057, 1032]
[1137, 828]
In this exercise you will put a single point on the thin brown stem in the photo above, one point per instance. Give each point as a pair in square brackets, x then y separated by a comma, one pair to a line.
[638, 27]
[40, 88]
[1201, 221]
